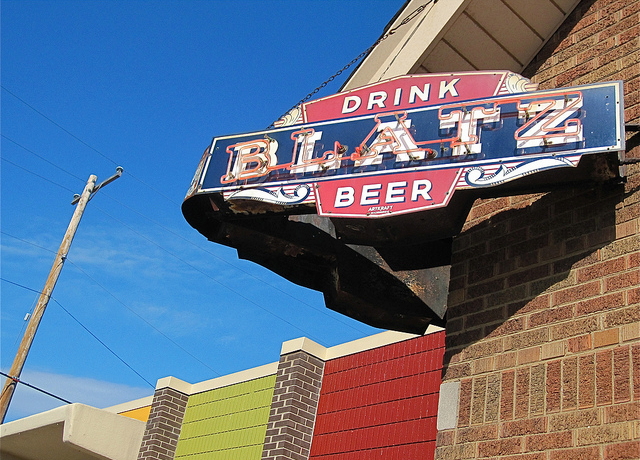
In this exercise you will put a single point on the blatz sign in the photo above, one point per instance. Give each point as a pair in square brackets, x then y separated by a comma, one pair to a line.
[359, 194]
[409, 144]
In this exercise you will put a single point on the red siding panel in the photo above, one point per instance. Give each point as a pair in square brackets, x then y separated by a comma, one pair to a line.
[381, 403]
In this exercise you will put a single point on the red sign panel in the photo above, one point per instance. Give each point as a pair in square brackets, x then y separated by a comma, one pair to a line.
[382, 195]
[411, 91]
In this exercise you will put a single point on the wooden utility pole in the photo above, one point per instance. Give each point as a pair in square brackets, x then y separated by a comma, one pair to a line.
[45, 295]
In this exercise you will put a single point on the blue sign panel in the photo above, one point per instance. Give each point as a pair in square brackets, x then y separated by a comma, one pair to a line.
[489, 142]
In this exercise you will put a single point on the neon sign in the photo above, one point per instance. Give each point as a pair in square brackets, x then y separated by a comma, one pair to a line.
[414, 158]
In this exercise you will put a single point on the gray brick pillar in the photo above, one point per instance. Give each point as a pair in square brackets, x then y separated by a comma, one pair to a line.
[163, 427]
[294, 407]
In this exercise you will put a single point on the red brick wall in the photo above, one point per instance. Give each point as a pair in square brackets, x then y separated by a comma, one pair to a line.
[381, 403]
[543, 327]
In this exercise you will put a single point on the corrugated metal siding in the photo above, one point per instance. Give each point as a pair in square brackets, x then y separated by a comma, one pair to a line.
[381, 403]
[227, 423]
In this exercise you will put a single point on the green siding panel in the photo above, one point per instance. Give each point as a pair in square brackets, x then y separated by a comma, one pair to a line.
[227, 423]
[248, 452]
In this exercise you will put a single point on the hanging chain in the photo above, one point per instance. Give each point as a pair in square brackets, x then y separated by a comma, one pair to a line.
[405, 21]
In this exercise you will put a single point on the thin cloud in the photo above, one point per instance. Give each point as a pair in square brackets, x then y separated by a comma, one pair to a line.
[97, 393]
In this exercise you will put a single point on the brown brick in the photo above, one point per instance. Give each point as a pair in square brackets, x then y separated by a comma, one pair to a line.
[508, 327]
[492, 405]
[529, 355]
[485, 317]
[628, 412]
[553, 350]
[445, 438]
[580, 292]
[506, 360]
[534, 456]
[635, 366]
[478, 400]
[623, 280]
[549, 441]
[514, 295]
[537, 397]
[464, 412]
[574, 328]
[586, 381]
[600, 270]
[569, 383]
[606, 338]
[600, 303]
[522, 392]
[477, 433]
[578, 344]
[524, 427]
[526, 339]
[457, 452]
[553, 315]
[574, 419]
[604, 434]
[623, 316]
[295, 402]
[553, 387]
[621, 374]
[540, 302]
[584, 453]
[604, 377]
[507, 397]
[499, 447]
[622, 451]
[460, 371]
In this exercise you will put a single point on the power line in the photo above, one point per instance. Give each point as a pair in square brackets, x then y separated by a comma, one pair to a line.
[17, 380]
[179, 236]
[213, 279]
[220, 259]
[195, 268]
[144, 320]
[43, 158]
[37, 175]
[406, 20]
[121, 303]
[83, 326]
[85, 143]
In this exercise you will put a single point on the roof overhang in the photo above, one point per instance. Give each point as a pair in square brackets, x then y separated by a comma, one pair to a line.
[72, 432]
[462, 35]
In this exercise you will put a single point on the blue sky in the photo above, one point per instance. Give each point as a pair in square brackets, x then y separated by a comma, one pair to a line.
[90, 85]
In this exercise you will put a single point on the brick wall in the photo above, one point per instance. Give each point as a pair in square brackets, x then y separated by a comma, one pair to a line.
[163, 426]
[293, 409]
[381, 403]
[543, 327]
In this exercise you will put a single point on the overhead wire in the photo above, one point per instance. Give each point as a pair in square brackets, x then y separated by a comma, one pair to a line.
[170, 231]
[363, 54]
[241, 295]
[181, 260]
[85, 143]
[37, 175]
[220, 259]
[311, 336]
[17, 380]
[42, 158]
[83, 326]
[121, 302]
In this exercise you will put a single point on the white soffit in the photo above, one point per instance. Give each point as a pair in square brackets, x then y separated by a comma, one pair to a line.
[463, 35]
[72, 432]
